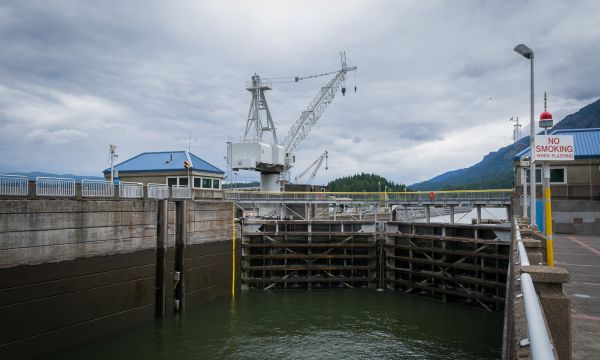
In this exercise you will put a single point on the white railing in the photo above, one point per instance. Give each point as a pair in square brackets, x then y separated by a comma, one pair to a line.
[97, 188]
[131, 190]
[181, 192]
[49, 186]
[158, 191]
[419, 197]
[14, 185]
[539, 340]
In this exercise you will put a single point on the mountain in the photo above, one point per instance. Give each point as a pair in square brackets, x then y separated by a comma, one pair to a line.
[33, 175]
[495, 170]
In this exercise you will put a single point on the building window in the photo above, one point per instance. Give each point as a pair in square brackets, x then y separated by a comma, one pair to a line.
[180, 180]
[197, 182]
[215, 184]
[206, 183]
[558, 175]
[171, 181]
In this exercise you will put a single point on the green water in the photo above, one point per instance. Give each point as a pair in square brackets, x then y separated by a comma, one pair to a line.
[328, 324]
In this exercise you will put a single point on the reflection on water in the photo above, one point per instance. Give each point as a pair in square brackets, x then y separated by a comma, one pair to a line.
[328, 324]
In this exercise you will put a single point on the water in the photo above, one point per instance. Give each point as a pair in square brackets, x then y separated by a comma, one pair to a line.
[327, 324]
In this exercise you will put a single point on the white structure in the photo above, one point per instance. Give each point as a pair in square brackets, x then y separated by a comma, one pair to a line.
[272, 158]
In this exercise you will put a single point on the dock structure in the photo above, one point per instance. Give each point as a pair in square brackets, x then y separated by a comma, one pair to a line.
[377, 206]
[452, 262]
[309, 254]
[377, 240]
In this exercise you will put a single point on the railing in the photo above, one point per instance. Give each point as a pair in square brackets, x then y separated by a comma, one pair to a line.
[97, 188]
[158, 191]
[539, 340]
[459, 196]
[131, 190]
[47, 186]
[181, 192]
[14, 185]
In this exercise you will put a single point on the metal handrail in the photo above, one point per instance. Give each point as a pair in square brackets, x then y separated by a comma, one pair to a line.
[158, 191]
[539, 340]
[97, 188]
[131, 190]
[181, 192]
[14, 185]
[51, 186]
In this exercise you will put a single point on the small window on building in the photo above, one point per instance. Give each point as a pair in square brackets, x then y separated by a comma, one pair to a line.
[538, 176]
[171, 181]
[206, 183]
[197, 182]
[557, 175]
[215, 184]
[183, 181]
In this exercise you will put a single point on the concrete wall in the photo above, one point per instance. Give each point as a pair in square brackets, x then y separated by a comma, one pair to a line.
[208, 252]
[74, 270]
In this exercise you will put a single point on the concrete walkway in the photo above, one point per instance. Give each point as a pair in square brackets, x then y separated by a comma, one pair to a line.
[580, 254]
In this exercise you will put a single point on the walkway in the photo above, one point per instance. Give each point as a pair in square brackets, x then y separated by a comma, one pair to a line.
[580, 254]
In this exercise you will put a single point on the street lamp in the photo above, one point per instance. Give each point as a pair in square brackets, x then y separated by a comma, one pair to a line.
[527, 53]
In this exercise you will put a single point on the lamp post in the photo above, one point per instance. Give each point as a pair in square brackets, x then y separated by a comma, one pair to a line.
[527, 53]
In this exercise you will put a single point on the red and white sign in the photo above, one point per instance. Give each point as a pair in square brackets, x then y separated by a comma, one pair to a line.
[554, 148]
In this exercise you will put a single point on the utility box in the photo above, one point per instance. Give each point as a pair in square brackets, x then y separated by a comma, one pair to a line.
[257, 156]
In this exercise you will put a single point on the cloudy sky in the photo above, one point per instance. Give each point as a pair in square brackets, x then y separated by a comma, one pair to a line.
[437, 80]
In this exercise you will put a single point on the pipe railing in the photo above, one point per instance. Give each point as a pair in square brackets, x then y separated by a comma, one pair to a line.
[49, 186]
[158, 191]
[181, 192]
[539, 339]
[97, 188]
[131, 190]
[420, 197]
[16, 185]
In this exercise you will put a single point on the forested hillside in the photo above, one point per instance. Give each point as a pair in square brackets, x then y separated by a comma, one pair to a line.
[364, 182]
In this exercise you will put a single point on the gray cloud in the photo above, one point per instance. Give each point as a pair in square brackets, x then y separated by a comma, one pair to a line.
[437, 81]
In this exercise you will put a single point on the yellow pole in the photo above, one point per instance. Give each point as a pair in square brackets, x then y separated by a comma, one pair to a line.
[549, 242]
[232, 249]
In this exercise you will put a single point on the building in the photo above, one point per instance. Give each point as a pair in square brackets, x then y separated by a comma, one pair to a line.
[168, 167]
[575, 184]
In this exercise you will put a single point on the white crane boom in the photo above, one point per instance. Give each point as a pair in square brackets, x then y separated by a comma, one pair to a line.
[274, 159]
[317, 165]
[313, 112]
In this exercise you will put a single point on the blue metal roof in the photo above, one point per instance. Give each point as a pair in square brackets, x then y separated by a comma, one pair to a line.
[586, 142]
[165, 161]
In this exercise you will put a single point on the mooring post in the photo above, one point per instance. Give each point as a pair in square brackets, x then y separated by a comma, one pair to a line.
[478, 214]
[451, 214]
[428, 213]
[162, 235]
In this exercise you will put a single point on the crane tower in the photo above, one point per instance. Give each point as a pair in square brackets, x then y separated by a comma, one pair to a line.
[268, 155]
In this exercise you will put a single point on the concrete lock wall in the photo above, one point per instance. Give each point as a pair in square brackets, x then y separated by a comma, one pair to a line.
[75, 270]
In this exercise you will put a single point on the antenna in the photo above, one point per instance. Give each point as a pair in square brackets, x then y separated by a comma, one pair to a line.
[516, 128]
[190, 143]
[112, 153]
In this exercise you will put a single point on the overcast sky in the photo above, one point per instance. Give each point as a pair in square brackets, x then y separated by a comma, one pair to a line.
[437, 80]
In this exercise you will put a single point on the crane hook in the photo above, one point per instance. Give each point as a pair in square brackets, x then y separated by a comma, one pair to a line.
[343, 91]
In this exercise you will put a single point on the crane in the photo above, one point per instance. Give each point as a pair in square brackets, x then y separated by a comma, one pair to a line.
[272, 158]
[316, 165]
